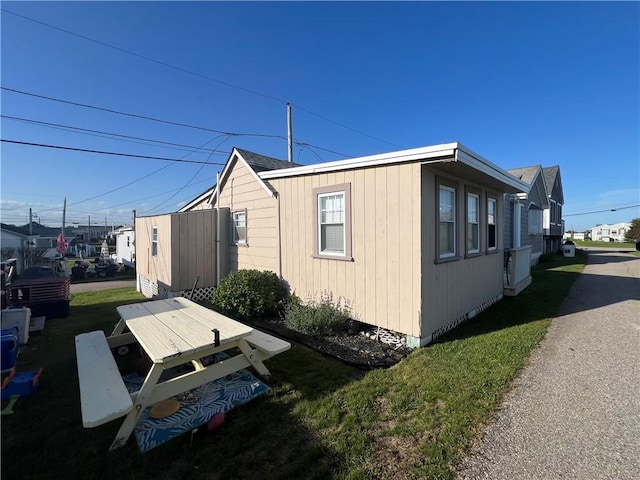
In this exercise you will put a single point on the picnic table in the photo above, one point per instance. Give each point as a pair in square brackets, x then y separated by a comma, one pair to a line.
[172, 332]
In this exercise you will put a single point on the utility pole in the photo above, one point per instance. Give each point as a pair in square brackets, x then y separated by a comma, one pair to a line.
[64, 214]
[30, 222]
[89, 234]
[64, 217]
[289, 132]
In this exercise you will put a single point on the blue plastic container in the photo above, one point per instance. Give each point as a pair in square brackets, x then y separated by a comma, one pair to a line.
[24, 384]
[9, 345]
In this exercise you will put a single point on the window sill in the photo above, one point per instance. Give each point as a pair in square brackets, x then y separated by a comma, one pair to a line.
[473, 255]
[492, 252]
[239, 245]
[333, 257]
[447, 259]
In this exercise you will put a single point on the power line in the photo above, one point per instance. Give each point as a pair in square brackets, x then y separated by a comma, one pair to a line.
[145, 117]
[187, 182]
[143, 177]
[600, 211]
[101, 152]
[82, 130]
[144, 57]
[191, 72]
[346, 126]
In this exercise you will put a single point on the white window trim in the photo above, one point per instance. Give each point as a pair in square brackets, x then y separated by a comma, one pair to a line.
[154, 241]
[454, 207]
[237, 241]
[494, 223]
[344, 226]
[473, 251]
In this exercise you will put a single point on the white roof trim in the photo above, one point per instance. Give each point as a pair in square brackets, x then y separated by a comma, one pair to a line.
[251, 170]
[227, 168]
[456, 151]
[446, 149]
[196, 200]
[539, 178]
[213, 192]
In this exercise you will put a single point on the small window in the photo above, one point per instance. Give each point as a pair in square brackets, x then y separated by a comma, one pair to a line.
[332, 229]
[492, 221]
[447, 222]
[331, 224]
[154, 241]
[473, 223]
[240, 227]
[535, 220]
[128, 242]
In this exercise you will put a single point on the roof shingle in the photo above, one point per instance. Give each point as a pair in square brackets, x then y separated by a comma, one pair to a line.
[260, 163]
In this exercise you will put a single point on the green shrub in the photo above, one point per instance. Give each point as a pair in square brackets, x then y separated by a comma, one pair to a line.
[250, 294]
[317, 317]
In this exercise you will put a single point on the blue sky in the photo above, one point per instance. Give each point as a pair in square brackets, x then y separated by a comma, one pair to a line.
[519, 83]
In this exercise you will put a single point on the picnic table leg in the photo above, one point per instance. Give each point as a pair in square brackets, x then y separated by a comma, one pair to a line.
[119, 328]
[248, 352]
[140, 403]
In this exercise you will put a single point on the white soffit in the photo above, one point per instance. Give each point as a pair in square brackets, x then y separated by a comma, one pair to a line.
[483, 165]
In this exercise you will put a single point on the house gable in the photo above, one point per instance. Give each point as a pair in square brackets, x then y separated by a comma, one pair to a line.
[553, 183]
[253, 163]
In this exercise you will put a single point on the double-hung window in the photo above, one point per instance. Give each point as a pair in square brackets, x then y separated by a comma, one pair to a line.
[332, 229]
[331, 232]
[154, 241]
[447, 222]
[240, 227]
[473, 223]
[492, 222]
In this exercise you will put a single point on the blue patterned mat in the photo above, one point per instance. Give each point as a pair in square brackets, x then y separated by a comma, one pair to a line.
[196, 407]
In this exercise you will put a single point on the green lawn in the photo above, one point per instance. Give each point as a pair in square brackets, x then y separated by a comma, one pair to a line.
[321, 418]
[589, 243]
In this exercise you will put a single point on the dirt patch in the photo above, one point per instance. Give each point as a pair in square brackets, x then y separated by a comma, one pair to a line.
[357, 349]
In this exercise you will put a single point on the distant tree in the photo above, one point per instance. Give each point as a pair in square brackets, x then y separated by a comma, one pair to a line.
[633, 234]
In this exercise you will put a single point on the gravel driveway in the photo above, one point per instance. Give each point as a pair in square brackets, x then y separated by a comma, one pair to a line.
[575, 410]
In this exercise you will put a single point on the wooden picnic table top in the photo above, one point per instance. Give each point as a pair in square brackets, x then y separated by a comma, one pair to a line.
[176, 327]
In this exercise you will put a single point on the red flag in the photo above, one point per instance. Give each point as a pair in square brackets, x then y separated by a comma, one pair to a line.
[61, 245]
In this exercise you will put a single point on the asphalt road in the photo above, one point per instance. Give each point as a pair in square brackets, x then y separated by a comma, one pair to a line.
[93, 286]
[575, 410]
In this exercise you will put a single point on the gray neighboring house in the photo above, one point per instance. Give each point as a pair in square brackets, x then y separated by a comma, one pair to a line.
[530, 207]
[14, 242]
[553, 225]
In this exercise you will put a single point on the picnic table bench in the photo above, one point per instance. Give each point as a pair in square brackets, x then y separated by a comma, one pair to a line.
[172, 332]
[103, 394]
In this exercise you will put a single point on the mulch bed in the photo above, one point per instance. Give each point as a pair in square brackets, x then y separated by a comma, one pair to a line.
[355, 349]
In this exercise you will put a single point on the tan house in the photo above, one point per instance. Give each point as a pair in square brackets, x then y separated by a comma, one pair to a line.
[412, 240]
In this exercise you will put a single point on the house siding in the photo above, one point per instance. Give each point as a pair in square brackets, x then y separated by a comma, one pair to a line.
[203, 205]
[241, 190]
[156, 269]
[453, 290]
[534, 240]
[186, 250]
[508, 221]
[382, 283]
